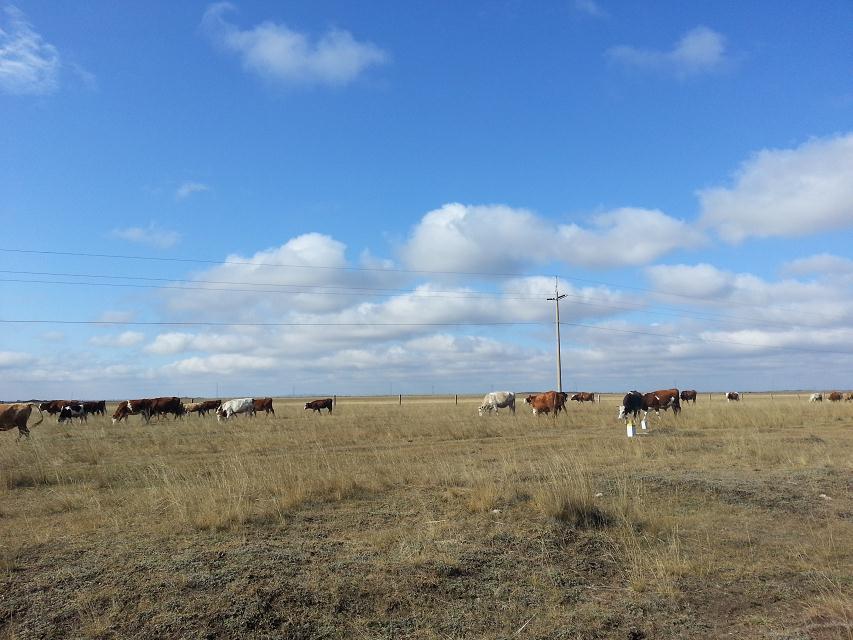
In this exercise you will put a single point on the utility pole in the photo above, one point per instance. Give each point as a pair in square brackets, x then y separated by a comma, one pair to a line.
[556, 300]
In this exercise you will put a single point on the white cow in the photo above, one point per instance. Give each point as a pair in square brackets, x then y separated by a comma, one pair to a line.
[816, 397]
[498, 400]
[232, 407]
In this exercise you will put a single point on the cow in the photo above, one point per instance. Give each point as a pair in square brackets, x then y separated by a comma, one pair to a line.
[547, 402]
[317, 405]
[52, 407]
[497, 400]
[16, 415]
[263, 404]
[201, 408]
[71, 411]
[233, 407]
[634, 402]
[583, 396]
[123, 410]
[816, 397]
[96, 407]
[835, 396]
[732, 396]
[688, 395]
[848, 397]
[162, 406]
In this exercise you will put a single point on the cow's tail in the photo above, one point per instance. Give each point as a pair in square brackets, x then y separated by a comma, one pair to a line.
[41, 415]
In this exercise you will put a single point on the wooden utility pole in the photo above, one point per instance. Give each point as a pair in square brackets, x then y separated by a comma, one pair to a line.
[556, 300]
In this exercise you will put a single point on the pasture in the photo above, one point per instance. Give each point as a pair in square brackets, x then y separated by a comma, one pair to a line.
[427, 521]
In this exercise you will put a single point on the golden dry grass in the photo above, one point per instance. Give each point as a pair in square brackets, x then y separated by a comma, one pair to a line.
[424, 520]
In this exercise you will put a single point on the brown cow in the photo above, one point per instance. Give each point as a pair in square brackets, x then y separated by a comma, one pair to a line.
[583, 396]
[547, 402]
[688, 395]
[52, 407]
[263, 404]
[835, 396]
[663, 399]
[16, 415]
[732, 396]
[316, 405]
[202, 408]
[96, 407]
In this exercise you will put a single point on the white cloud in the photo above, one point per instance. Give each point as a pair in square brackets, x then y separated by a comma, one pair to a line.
[12, 359]
[177, 342]
[786, 192]
[497, 238]
[152, 236]
[823, 264]
[122, 340]
[221, 364]
[590, 8]
[188, 188]
[28, 64]
[276, 52]
[699, 50]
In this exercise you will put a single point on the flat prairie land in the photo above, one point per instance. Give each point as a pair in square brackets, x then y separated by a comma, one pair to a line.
[423, 520]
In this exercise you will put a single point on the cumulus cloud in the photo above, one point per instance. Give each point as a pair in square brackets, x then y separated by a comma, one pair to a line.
[221, 364]
[122, 340]
[28, 64]
[785, 192]
[177, 342]
[823, 264]
[276, 52]
[497, 238]
[152, 236]
[699, 50]
[12, 359]
[188, 188]
[590, 8]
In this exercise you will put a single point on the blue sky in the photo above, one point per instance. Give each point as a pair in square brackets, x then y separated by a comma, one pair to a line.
[637, 150]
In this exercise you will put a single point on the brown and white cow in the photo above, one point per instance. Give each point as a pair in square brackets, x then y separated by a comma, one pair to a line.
[583, 396]
[15, 415]
[263, 404]
[317, 405]
[689, 395]
[732, 396]
[52, 407]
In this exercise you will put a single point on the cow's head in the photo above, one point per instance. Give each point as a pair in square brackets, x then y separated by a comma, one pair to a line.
[621, 412]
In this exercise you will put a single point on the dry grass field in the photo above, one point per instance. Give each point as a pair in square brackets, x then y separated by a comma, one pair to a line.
[426, 521]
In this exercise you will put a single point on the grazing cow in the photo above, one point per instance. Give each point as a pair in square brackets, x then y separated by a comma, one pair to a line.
[71, 411]
[201, 408]
[162, 406]
[233, 407]
[848, 397]
[497, 400]
[583, 396]
[733, 396]
[52, 407]
[634, 402]
[816, 397]
[317, 405]
[688, 395]
[96, 407]
[263, 404]
[16, 415]
[547, 402]
[835, 396]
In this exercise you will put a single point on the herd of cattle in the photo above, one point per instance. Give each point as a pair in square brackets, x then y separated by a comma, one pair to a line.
[16, 415]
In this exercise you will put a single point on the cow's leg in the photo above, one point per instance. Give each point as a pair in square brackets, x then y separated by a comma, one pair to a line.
[23, 431]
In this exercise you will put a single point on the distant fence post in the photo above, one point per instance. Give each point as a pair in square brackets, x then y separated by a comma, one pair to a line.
[709, 397]
[335, 400]
[401, 399]
[457, 398]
